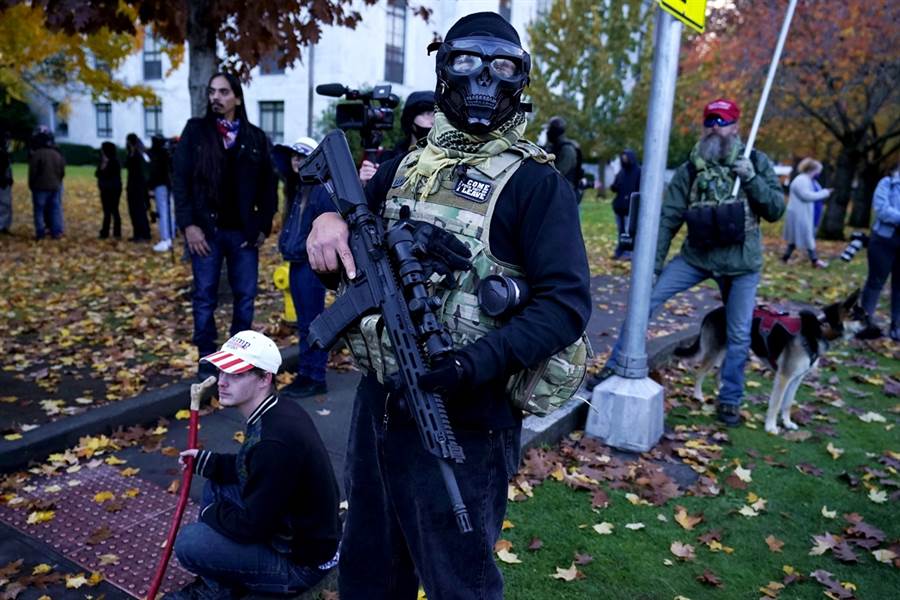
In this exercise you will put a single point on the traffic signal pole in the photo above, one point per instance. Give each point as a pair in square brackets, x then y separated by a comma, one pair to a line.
[628, 407]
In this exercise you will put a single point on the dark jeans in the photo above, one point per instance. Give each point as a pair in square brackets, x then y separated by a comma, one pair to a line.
[400, 524]
[884, 260]
[137, 212]
[110, 200]
[811, 252]
[242, 260]
[48, 212]
[620, 228]
[226, 565]
[308, 295]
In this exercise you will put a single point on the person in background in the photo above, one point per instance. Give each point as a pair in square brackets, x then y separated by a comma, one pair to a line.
[136, 188]
[307, 291]
[628, 181]
[109, 181]
[416, 121]
[6, 183]
[224, 188]
[799, 222]
[160, 182]
[567, 153]
[884, 255]
[46, 170]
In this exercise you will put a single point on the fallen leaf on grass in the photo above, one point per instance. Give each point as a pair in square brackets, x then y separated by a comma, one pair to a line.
[709, 578]
[884, 556]
[833, 451]
[507, 524]
[828, 514]
[502, 544]
[535, 544]
[872, 417]
[599, 499]
[877, 496]
[508, 557]
[774, 543]
[748, 511]
[743, 474]
[583, 559]
[634, 526]
[844, 553]
[772, 589]
[604, 528]
[682, 551]
[823, 543]
[797, 435]
[685, 520]
[570, 574]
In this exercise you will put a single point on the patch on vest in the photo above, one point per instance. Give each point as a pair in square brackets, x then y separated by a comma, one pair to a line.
[399, 181]
[472, 189]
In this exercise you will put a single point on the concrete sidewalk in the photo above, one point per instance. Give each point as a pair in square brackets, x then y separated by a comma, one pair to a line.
[331, 412]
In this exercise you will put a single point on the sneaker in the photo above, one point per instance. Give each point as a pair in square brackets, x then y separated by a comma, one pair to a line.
[895, 334]
[303, 387]
[820, 264]
[730, 414]
[163, 246]
[870, 332]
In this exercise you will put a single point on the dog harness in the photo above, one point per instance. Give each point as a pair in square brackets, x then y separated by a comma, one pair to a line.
[772, 330]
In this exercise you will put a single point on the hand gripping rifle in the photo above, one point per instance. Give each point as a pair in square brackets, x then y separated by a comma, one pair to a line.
[390, 280]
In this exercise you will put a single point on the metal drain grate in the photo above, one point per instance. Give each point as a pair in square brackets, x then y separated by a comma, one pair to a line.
[134, 534]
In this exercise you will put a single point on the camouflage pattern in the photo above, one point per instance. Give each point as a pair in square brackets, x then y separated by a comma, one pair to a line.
[538, 390]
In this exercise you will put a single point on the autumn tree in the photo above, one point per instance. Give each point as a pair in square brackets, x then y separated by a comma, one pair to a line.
[37, 62]
[248, 32]
[587, 57]
[837, 83]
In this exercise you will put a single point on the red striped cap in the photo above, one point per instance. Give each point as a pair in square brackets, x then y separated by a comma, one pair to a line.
[245, 350]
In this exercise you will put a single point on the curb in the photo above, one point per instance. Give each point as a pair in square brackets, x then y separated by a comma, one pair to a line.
[141, 409]
[540, 431]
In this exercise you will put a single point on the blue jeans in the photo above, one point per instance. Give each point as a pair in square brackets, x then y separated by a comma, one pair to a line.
[48, 212]
[227, 565]
[242, 260]
[400, 526]
[308, 295]
[161, 195]
[739, 294]
[884, 261]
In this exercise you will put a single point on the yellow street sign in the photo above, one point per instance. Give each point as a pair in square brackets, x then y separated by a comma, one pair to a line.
[690, 12]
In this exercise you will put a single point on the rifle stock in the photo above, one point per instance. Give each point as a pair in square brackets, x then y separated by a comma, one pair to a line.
[378, 288]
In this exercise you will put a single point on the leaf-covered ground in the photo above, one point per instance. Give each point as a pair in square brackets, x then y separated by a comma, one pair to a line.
[809, 514]
[88, 321]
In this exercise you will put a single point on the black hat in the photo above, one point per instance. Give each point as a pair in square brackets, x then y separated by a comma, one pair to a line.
[483, 24]
[416, 104]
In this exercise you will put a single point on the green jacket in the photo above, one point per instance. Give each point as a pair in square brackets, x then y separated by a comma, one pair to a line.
[764, 197]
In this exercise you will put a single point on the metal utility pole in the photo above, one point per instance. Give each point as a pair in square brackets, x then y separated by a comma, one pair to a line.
[311, 92]
[629, 405]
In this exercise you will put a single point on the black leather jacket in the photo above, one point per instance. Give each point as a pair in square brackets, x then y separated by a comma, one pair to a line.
[254, 177]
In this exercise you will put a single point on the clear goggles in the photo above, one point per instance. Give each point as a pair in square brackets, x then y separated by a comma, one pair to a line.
[471, 55]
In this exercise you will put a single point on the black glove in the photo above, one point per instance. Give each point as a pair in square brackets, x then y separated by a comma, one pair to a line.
[439, 251]
[446, 376]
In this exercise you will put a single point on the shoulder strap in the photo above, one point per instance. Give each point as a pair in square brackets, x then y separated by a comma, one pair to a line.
[500, 181]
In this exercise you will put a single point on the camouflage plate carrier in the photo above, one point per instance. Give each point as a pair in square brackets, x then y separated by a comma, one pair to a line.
[538, 390]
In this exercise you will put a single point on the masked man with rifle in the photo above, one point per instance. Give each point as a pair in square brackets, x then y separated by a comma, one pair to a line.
[483, 201]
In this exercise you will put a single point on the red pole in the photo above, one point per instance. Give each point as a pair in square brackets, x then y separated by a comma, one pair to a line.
[199, 391]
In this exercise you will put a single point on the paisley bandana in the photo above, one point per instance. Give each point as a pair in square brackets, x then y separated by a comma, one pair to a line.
[228, 130]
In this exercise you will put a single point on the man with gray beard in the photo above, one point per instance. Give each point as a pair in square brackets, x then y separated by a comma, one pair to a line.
[723, 241]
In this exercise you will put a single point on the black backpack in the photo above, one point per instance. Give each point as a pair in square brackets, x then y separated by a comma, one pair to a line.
[578, 174]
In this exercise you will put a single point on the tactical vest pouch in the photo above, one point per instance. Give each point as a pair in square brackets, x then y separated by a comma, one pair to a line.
[544, 388]
[716, 226]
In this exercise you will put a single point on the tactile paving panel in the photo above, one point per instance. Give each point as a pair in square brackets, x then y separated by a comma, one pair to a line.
[136, 533]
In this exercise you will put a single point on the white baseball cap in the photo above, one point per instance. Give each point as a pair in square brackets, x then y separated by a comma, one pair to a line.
[304, 145]
[245, 350]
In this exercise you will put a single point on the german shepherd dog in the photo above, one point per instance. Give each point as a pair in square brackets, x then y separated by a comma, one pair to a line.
[791, 344]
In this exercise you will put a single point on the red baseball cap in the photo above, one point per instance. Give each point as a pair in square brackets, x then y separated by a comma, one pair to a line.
[727, 109]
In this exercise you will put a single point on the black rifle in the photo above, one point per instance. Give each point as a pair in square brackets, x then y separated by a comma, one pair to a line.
[390, 281]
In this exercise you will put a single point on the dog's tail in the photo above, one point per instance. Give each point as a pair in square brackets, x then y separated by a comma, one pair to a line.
[689, 351]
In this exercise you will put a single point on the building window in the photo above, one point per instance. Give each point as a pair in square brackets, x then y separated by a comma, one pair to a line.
[269, 64]
[506, 9]
[152, 120]
[395, 46]
[271, 120]
[60, 122]
[152, 57]
[104, 119]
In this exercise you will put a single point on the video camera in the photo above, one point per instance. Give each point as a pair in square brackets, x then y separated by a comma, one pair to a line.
[370, 112]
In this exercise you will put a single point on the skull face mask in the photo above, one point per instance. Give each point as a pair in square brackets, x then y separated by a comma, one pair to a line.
[480, 81]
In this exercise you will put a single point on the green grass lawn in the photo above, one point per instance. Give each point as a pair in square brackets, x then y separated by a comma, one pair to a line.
[631, 564]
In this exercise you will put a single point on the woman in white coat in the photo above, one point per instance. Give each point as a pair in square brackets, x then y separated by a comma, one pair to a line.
[799, 229]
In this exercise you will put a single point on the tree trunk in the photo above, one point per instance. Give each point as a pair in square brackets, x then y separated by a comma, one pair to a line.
[202, 61]
[832, 227]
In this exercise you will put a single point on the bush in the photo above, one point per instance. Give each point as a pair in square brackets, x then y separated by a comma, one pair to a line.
[75, 154]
